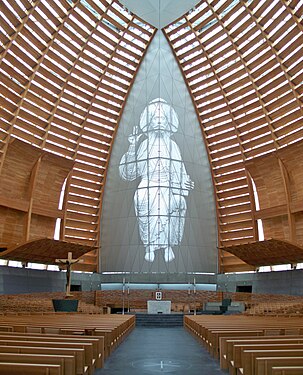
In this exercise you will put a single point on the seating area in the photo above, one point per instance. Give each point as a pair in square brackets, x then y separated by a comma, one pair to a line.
[252, 345]
[59, 344]
[276, 308]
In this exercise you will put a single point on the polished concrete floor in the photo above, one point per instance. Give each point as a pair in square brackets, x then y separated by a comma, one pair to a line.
[160, 350]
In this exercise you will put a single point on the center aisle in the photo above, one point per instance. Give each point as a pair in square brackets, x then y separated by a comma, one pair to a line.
[160, 350]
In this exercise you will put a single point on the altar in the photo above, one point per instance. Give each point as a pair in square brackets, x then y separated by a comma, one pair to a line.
[158, 307]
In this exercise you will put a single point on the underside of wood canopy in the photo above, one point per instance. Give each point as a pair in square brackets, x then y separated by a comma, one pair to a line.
[44, 250]
[268, 253]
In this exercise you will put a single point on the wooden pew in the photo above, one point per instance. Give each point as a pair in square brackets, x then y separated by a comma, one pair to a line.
[78, 354]
[213, 337]
[94, 349]
[239, 357]
[106, 332]
[265, 365]
[66, 363]
[287, 370]
[227, 353]
[88, 353]
[207, 328]
[10, 368]
[249, 358]
[114, 329]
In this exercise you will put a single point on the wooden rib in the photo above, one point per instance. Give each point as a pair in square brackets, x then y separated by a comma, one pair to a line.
[98, 228]
[297, 20]
[234, 122]
[266, 114]
[38, 63]
[19, 28]
[290, 215]
[274, 52]
[80, 135]
[56, 124]
[32, 185]
[198, 118]
[68, 76]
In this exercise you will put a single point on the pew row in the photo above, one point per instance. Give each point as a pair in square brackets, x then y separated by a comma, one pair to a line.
[28, 369]
[83, 342]
[242, 344]
[287, 370]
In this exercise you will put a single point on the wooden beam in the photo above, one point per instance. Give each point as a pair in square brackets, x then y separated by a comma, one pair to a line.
[275, 53]
[271, 212]
[31, 190]
[15, 204]
[290, 215]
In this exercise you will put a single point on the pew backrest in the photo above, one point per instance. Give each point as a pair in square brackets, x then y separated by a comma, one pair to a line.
[265, 365]
[28, 369]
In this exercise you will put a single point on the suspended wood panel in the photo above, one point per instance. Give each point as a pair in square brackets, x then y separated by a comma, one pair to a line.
[44, 250]
[268, 253]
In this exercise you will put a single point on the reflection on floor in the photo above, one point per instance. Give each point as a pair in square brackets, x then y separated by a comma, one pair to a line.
[160, 350]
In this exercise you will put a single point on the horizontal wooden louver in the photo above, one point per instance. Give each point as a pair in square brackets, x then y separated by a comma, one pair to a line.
[66, 68]
[242, 61]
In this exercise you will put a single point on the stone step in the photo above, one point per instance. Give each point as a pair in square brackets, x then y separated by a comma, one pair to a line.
[159, 320]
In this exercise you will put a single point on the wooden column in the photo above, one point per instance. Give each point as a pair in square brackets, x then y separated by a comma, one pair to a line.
[31, 190]
[290, 215]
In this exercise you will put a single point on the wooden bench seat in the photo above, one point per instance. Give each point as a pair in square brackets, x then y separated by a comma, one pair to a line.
[96, 341]
[215, 335]
[239, 357]
[88, 352]
[88, 339]
[249, 358]
[209, 329]
[66, 362]
[228, 353]
[11, 368]
[114, 329]
[265, 365]
[77, 353]
[287, 370]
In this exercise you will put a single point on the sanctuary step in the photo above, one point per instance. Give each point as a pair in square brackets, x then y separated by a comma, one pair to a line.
[159, 320]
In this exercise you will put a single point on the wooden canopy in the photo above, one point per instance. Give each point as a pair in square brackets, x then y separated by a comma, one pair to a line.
[44, 250]
[267, 253]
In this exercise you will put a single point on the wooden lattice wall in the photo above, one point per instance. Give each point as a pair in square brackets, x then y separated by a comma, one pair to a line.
[242, 61]
[66, 68]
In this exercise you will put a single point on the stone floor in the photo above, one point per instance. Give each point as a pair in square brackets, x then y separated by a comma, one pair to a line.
[160, 350]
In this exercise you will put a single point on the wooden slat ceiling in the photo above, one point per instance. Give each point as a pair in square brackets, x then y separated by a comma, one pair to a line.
[66, 67]
[243, 65]
[44, 250]
[268, 253]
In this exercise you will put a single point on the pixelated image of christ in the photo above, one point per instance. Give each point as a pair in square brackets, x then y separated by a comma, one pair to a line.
[155, 159]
